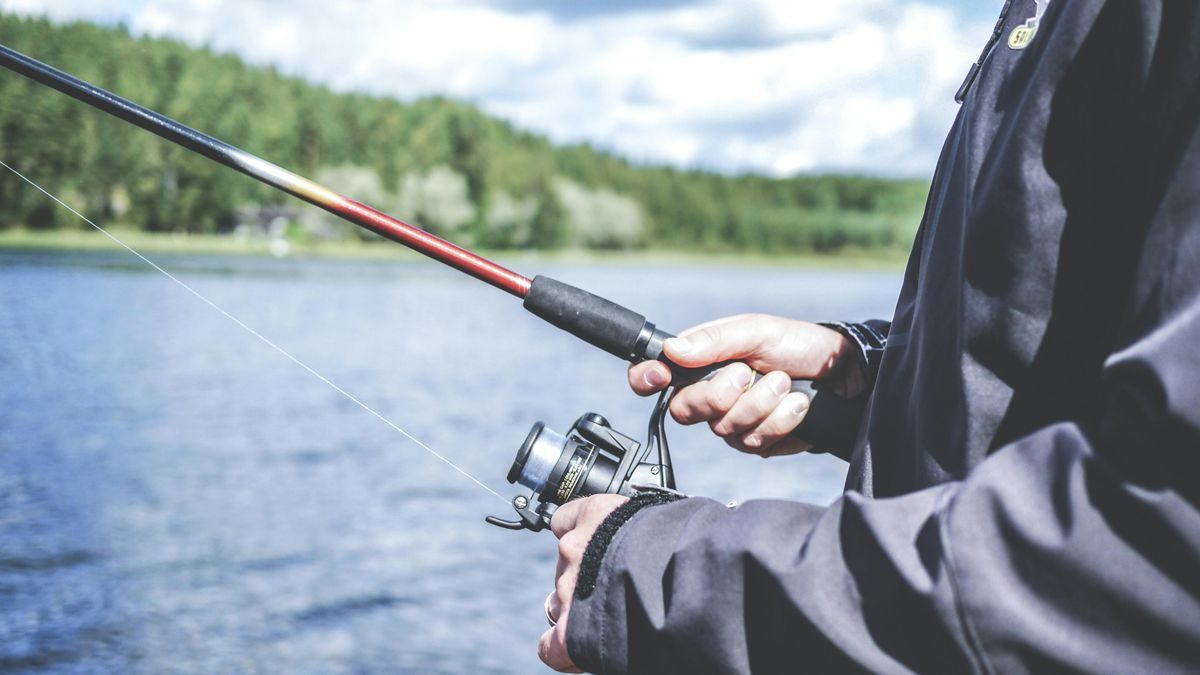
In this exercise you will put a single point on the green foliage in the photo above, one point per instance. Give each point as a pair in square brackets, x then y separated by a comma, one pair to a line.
[600, 219]
[509, 221]
[439, 199]
[436, 162]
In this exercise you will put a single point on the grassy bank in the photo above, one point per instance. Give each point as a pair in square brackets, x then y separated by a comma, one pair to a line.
[211, 244]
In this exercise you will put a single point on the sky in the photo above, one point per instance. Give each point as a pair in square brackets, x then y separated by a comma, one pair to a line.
[769, 86]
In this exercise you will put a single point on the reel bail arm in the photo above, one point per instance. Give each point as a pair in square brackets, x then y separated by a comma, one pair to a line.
[530, 520]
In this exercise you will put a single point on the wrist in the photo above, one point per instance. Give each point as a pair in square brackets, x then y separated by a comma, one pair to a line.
[862, 351]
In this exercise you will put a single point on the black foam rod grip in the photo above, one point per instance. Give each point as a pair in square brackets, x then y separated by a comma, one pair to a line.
[597, 321]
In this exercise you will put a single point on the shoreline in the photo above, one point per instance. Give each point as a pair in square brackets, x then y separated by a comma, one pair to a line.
[67, 240]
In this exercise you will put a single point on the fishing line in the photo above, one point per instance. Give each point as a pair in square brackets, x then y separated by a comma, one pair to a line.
[255, 333]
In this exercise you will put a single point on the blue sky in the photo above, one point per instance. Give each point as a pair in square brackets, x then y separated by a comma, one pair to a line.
[771, 86]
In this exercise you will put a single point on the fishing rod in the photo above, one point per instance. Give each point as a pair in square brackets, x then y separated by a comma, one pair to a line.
[591, 457]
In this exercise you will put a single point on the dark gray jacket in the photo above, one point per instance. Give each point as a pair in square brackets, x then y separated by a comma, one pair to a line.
[1024, 494]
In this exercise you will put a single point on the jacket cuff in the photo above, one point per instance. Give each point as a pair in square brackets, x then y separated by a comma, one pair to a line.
[597, 625]
[593, 556]
[868, 339]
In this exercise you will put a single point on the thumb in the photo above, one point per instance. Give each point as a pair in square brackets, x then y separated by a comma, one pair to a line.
[763, 342]
[736, 337]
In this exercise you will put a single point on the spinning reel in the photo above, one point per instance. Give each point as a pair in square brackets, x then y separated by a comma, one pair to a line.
[591, 458]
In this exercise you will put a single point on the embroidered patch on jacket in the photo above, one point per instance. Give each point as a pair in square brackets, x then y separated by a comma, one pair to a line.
[1022, 35]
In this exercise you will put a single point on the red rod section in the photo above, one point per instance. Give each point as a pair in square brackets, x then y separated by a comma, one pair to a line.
[435, 247]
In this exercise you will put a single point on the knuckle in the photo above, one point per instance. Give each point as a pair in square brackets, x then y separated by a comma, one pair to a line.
[563, 588]
[593, 508]
[757, 444]
[723, 398]
[775, 386]
[736, 443]
[772, 429]
[720, 428]
[758, 408]
[681, 411]
[753, 442]
[563, 520]
[734, 422]
[776, 427]
[795, 408]
[695, 404]
[568, 546]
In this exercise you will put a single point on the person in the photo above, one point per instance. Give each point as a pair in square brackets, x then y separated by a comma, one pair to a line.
[1023, 492]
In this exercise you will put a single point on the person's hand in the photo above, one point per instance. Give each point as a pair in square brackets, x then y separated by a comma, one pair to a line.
[759, 419]
[573, 523]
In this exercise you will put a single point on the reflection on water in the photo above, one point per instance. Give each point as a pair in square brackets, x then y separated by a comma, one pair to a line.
[177, 497]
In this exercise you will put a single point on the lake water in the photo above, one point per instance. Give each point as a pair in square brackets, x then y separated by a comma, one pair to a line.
[175, 496]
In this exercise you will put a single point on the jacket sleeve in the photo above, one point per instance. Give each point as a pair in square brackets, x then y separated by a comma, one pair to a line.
[1074, 548]
[1060, 552]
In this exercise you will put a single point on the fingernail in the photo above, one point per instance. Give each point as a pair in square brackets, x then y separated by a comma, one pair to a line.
[655, 378]
[780, 383]
[799, 405]
[741, 376]
[680, 345]
[753, 441]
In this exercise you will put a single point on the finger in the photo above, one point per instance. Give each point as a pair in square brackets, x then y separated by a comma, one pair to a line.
[771, 436]
[649, 377]
[564, 592]
[713, 398]
[755, 406]
[555, 606]
[787, 446]
[736, 337]
[565, 517]
[766, 342]
[586, 514]
[570, 551]
[564, 562]
[552, 648]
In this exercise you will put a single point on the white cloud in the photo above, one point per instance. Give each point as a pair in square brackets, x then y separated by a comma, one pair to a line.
[766, 85]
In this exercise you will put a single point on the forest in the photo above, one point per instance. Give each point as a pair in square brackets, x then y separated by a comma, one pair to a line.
[442, 164]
